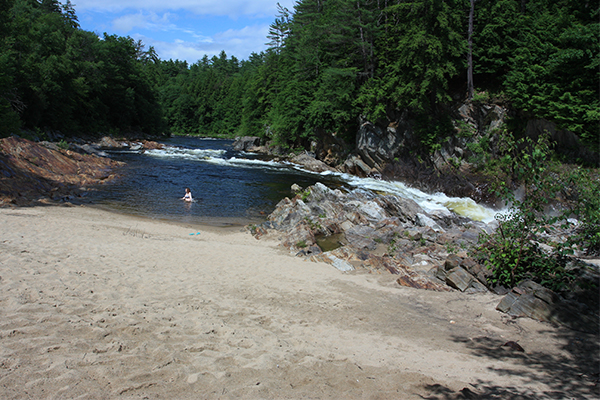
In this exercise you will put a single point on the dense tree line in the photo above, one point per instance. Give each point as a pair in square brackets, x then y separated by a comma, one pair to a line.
[333, 62]
[57, 77]
[330, 65]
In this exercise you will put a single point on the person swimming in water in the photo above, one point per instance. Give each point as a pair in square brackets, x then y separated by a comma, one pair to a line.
[188, 195]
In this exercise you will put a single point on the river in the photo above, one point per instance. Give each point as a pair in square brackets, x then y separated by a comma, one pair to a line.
[233, 188]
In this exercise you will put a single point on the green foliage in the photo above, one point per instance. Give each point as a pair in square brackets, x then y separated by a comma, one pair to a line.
[431, 129]
[545, 57]
[329, 64]
[314, 226]
[451, 248]
[305, 194]
[583, 187]
[464, 130]
[422, 49]
[514, 251]
[54, 76]
[63, 144]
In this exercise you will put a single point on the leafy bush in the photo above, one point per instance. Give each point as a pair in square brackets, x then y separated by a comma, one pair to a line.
[63, 144]
[583, 186]
[514, 251]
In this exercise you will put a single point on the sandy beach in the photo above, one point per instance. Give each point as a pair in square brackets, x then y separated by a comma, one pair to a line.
[97, 305]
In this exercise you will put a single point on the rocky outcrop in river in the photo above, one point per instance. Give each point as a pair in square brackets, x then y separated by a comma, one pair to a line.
[378, 233]
[32, 171]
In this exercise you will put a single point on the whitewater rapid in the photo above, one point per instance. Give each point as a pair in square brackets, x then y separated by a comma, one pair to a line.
[436, 202]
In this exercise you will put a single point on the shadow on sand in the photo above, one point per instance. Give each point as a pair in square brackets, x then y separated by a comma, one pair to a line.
[571, 374]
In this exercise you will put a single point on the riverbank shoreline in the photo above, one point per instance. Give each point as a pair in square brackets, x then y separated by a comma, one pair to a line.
[105, 305]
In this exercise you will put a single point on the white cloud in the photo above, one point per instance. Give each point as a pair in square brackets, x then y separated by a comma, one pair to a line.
[239, 43]
[231, 8]
[186, 29]
[126, 23]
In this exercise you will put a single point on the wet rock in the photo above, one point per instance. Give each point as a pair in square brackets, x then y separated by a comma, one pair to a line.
[151, 145]
[88, 149]
[108, 142]
[356, 166]
[246, 143]
[404, 209]
[310, 163]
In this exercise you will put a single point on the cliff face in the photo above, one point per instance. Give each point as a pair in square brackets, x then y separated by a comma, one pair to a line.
[32, 171]
[393, 151]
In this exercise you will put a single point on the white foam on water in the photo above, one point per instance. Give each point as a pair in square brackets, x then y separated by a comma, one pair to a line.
[253, 162]
[187, 154]
[213, 157]
[436, 202]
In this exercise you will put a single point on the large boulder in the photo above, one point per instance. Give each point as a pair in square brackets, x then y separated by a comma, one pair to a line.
[246, 143]
[530, 299]
[378, 145]
[310, 163]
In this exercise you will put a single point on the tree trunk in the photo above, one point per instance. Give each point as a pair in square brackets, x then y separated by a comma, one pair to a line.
[470, 86]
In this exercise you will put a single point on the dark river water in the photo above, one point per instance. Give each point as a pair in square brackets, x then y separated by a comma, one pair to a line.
[227, 186]
[230, 187]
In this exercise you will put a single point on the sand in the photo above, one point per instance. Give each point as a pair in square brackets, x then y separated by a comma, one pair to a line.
[97, 305]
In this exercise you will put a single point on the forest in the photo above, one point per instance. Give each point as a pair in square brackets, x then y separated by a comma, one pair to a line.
[330, 64]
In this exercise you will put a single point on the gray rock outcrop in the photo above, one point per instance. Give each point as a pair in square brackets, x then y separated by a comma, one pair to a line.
[532, 300]
[376, 233]
[310, 163]
[246, 143]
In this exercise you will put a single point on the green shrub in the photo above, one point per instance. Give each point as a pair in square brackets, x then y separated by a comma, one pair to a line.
[584, 193]
[305, 194]
[513, 251]
[63, 144]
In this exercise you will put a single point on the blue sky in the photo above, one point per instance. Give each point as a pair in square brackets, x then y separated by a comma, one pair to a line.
[185, 29]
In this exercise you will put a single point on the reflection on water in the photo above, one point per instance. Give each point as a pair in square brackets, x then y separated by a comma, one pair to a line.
[331, 242]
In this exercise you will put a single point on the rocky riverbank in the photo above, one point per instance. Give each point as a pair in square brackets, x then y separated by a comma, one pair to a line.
[385, 234]
[38, 172]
